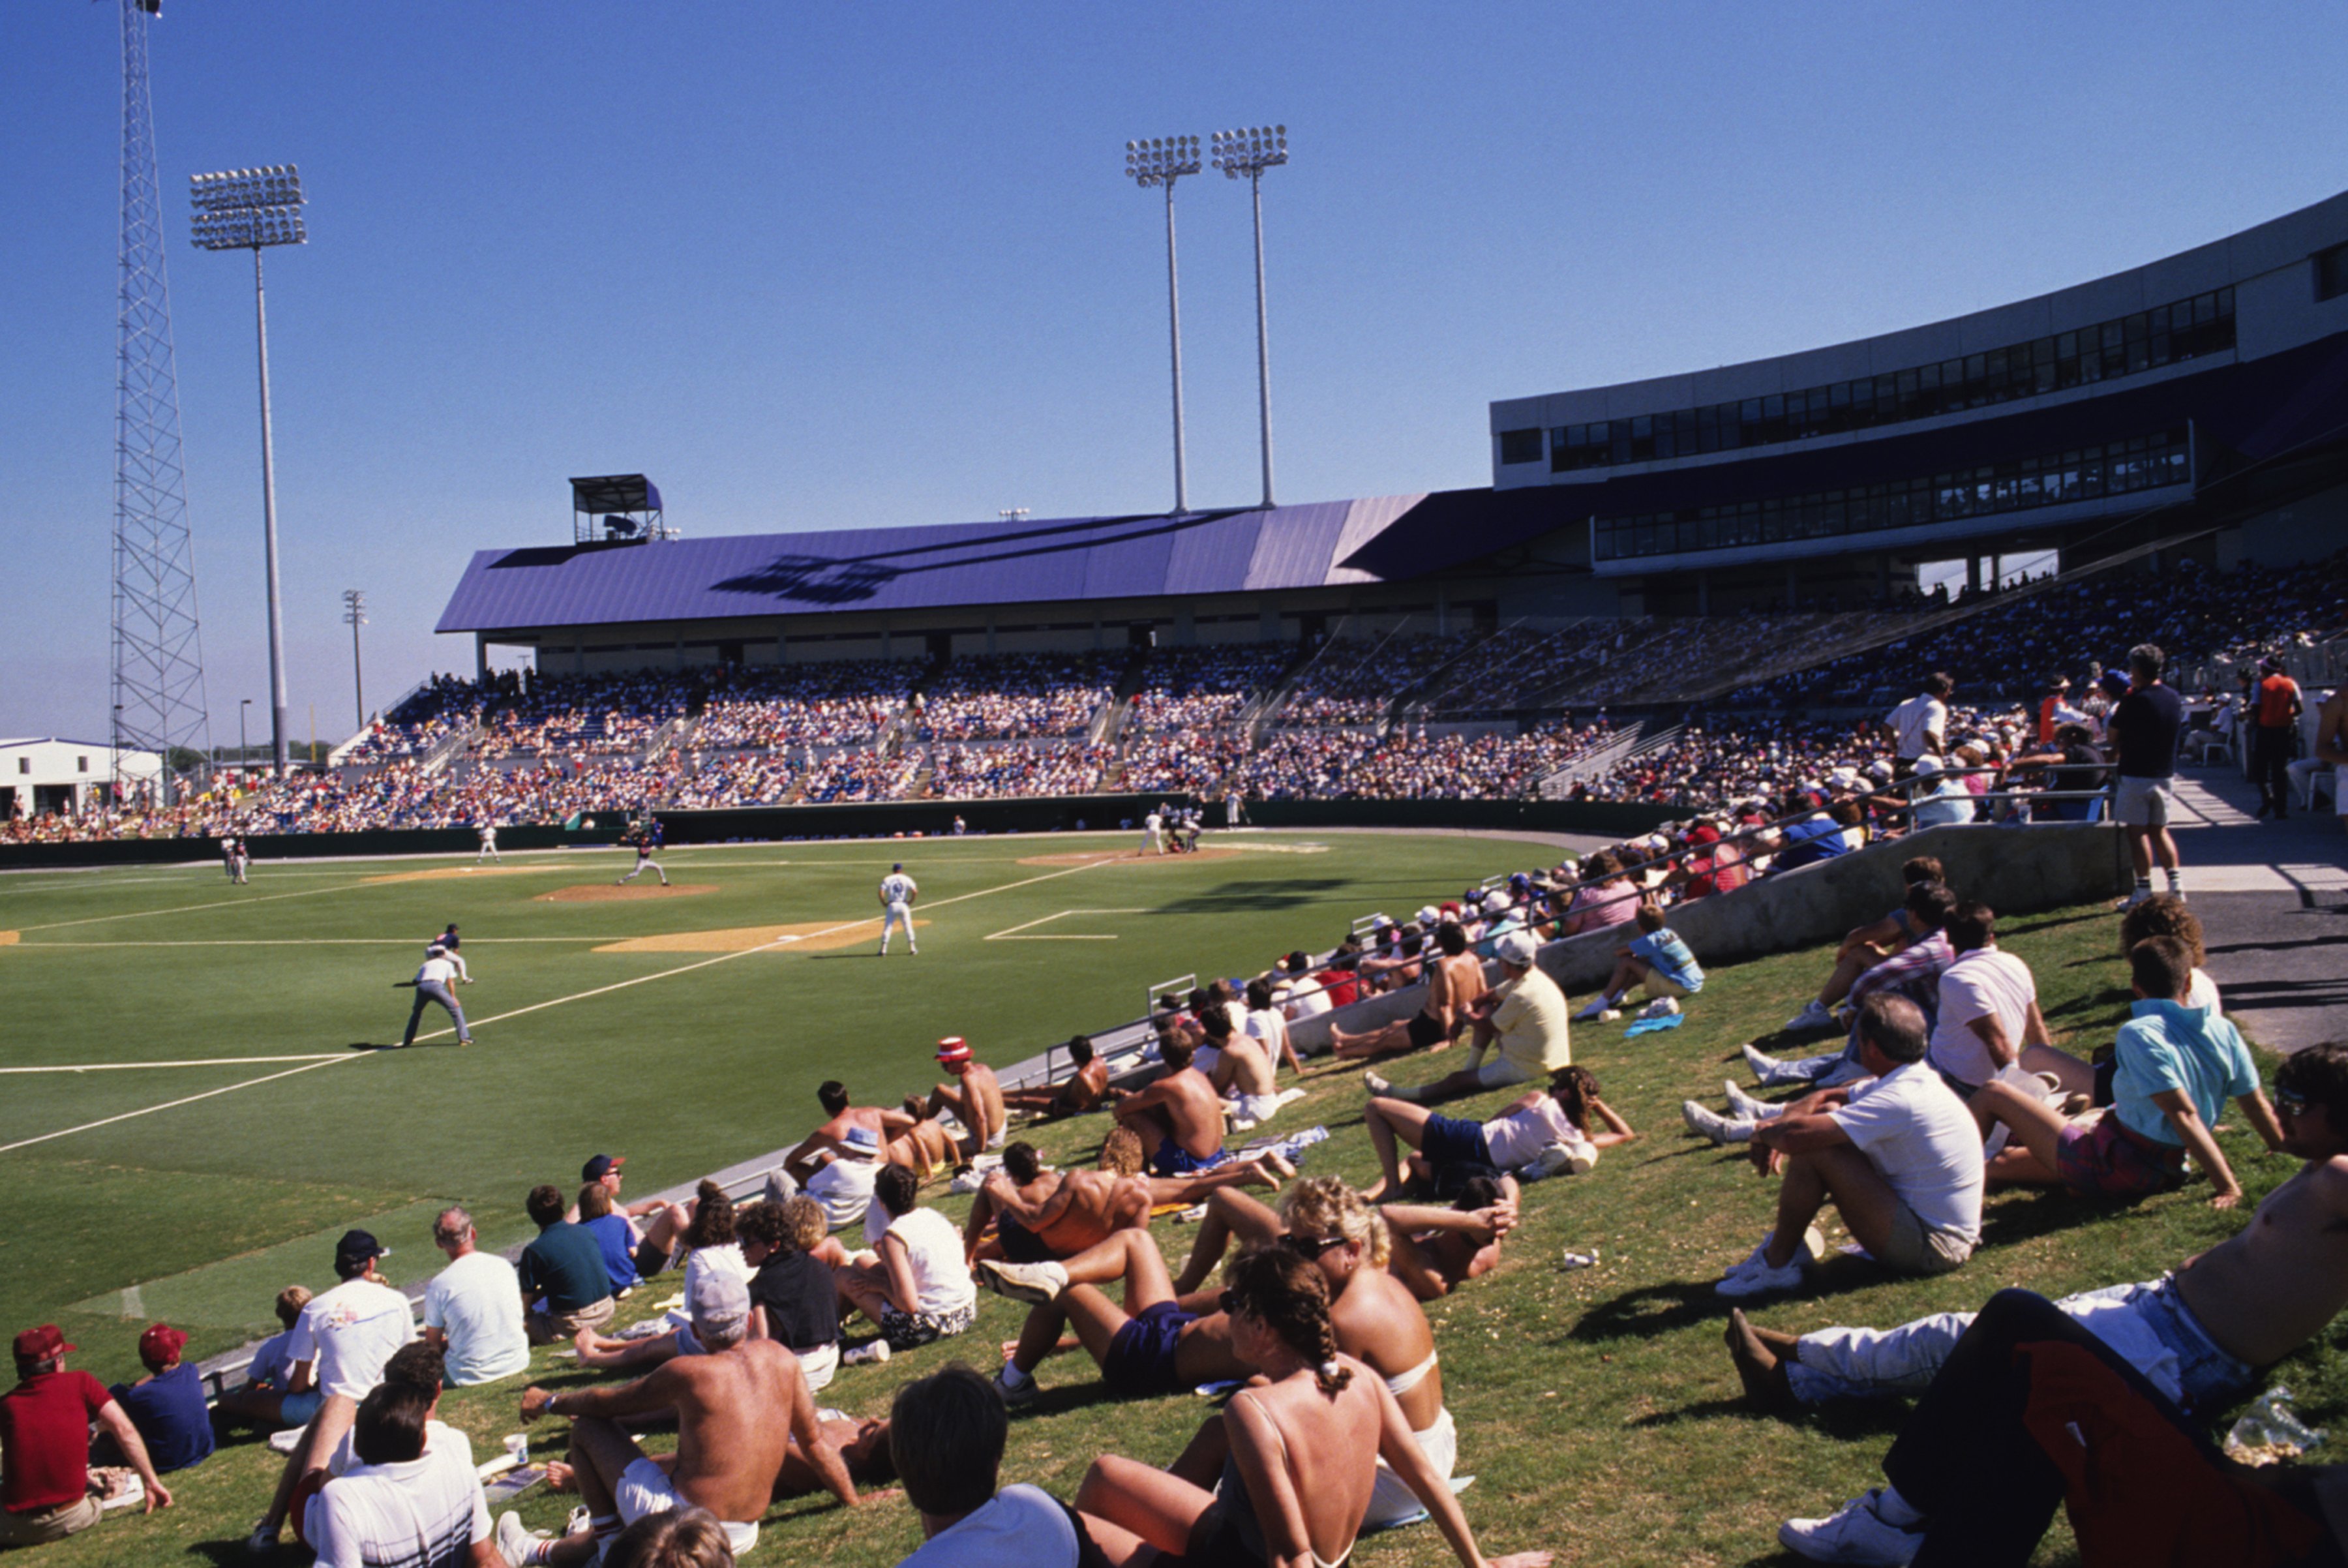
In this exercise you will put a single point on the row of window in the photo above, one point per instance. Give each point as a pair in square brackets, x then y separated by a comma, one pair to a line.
[2187, 329]
[2118, 468]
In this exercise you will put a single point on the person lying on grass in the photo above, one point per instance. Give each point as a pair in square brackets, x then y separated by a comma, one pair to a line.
[1079, 1092]
[2176, 1066]
[2203, 1334]
[1448, 1151]
[1287, 1473]
[1039, 1214]
[1430, 1250]
[1153, 1343]
[1899, 1157]
[737, 1407]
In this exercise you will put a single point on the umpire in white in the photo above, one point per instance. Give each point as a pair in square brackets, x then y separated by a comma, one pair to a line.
[432, 983]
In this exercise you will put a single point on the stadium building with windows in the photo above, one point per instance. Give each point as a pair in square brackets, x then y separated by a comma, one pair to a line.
[2198, 403]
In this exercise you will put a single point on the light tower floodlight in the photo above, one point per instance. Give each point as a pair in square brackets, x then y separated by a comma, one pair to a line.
[1162, 161]
[253, 209]
[1250, 152]
[354, 612]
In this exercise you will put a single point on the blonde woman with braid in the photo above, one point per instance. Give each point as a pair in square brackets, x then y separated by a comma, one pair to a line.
[1300, 1449]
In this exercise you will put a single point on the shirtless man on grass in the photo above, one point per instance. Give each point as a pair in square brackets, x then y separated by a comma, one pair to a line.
[1179, 1118]
[1453, 986]
[1080, 1091]
[1243, 1071]
[730, 1445]
[975, 1098]
[1042, 1214]
[2203, 1336]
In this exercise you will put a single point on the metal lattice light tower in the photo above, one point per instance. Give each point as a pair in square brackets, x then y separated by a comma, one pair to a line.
[252, 209]
[1162, 161]
[158, 663]
[354, 613]
[1250, 152]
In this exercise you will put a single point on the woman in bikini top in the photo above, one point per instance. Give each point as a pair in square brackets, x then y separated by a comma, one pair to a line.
[1304, 1447]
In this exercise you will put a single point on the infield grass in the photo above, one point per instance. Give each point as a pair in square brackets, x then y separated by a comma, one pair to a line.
[1597, 1408]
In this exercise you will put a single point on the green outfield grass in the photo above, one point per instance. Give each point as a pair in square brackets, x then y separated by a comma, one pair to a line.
[1597, 1407]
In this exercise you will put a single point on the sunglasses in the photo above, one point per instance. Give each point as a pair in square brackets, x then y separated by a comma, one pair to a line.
[2290, 1101]
[1310, 1248]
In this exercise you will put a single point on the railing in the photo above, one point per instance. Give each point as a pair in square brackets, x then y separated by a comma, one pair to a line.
[1554, 786]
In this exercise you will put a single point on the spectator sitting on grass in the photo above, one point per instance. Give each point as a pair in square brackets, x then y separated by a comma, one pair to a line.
[406, 1499]
[562, 1275]
[738, 1408]
[614, 1238]
[167, 1405]
[1079, 1092]
[793, 1297]
[681, 1538]
[2166, 914]
[2176, 1064]
[1179, 1117]
[917, 1289]
[835, 1163]
[45, 1481]
[1244, 1072]
[264, 1400]
[1900, 1158]
[1658, 962]
[1040, 1214]
[1546, 1131]
[1301, 1448]
[1429, 1250]
[1524, 1016]
[473, 1308]
[1989, 1019]
[946, 1436]
[1914, 974]
[1869, 946]
[1453, 988]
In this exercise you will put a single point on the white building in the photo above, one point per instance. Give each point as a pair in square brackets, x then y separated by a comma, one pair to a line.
[48, 773]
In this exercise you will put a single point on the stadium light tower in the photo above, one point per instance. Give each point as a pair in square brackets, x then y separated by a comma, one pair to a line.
[1162, 161]
[1250, 152]
[253, 209]
[354, 612]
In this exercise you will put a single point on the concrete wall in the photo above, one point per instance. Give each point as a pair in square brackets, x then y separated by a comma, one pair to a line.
[2014, 871]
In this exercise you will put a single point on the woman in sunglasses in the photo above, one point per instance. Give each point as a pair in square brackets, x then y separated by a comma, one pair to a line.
[1298, 1450]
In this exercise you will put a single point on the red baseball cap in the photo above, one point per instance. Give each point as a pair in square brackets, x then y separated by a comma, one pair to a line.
[954, 1049]
[161, 1343]
[42, 1344]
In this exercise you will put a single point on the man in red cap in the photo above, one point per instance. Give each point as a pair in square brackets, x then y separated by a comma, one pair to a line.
[44, 1444]
[167, 1405]
[976, 1102]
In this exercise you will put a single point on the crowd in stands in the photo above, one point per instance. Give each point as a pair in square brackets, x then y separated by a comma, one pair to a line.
[1327, 764]
[1017, 768]
[1012, 695]
[1196, 690]
[1354, 680]
[840, 702]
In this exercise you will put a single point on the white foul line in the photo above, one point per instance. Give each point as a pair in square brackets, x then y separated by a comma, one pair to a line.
[519, 1012]
[1012, 934]
[206, 1062]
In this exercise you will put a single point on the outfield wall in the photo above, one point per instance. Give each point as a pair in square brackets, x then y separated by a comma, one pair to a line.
[868, 819]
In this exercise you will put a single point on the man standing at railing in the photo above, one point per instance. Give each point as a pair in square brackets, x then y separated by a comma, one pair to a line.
[2142, 733]
[2279, 708]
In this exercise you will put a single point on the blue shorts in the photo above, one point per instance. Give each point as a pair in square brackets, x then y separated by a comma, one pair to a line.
[1173, 1159]
[298, 1409]
[1450, 1141]
[1140, 1359]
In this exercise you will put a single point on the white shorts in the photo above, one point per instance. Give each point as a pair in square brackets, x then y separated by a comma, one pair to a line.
[644, 1490]
[1391, 1500]
[819, 1365]
[1501, 1072]
[2143, 803]
[1256, 1107]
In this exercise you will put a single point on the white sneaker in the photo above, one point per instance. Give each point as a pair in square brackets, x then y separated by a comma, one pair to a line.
[1743, 1107]
[1610, 1015]
[515, 1540]
[874, 1354]
[1597, 1006]
[1815, 1018]
[1706, 1123]
[1376, 1082]
[1032, 1283]
[1660, 1008]
[1854, 1533]
[2124, 905]
[1766, 1068]
[1759, 1279]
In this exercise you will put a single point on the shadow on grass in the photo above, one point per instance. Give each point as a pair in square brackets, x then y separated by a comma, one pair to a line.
[1658, 1309]
[2112, 998]
[2021, 1214]
[1247, 897]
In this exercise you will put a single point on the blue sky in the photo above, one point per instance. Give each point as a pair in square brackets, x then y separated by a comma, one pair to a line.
[812, 266]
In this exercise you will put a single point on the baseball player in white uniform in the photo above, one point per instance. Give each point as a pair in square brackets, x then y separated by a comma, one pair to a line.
[489, 845]
[898, 892]
[1154, 826]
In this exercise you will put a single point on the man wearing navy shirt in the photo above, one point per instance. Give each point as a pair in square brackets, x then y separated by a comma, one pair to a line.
[167, 1406]
[2142, 733]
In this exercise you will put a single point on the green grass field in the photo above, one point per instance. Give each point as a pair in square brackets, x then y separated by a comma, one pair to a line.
[1597, 1407]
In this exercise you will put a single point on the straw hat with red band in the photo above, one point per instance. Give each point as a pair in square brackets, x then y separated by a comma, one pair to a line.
[953, 1050]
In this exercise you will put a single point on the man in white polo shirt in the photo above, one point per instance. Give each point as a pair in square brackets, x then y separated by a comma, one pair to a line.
[1920, 727]
[1988, 1017]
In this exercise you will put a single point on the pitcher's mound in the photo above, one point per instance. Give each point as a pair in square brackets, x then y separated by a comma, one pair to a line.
[607, 892]
[1141, 857]
[807, 937]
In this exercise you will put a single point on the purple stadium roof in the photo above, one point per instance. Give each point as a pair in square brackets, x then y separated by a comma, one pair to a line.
[919, 567]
